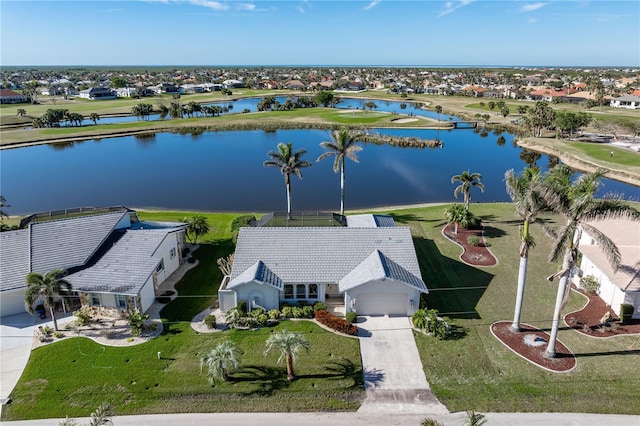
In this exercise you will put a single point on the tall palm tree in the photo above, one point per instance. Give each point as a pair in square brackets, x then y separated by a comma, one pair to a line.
[458, 215]
[3, 204]
[46, 287]
[523, 191]
[342, 146]
[467, 180]
[220, 360]
[288, 344]
[288, 162]
[94, 117]
[197, 225]
[574, 200]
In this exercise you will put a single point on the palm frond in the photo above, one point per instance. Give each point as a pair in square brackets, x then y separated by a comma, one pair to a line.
[563, 241]
[609, 248]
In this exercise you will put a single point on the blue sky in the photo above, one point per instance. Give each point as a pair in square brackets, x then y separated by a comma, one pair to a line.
[386, 32]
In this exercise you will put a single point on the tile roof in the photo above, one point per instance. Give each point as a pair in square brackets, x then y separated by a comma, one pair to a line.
[257, 272]
[378, 267]
[14, 259]
[70, 242]
[321, 255]
[125, 267]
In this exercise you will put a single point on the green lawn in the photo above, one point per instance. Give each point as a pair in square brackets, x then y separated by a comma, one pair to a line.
[476, 372]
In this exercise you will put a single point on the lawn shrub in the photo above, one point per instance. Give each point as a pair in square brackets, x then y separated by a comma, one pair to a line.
[210, 321]
[136, 322]
[626, 312]
[590, 284]
[287, 311]
[256, 312]
[307, 311]
[83, 315]
[351, 317]
[336, 323]
[273, 314]
[297, 312]
[474, 240]
[242, 306]
[319, 306]
[420, 320]
[262, 319]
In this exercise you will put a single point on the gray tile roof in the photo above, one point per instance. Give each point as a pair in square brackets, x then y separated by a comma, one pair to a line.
[66, 243]
[14, 259]
[379, 267]
[125, 267]
[370, 221]
[321, 255]
[257, 272]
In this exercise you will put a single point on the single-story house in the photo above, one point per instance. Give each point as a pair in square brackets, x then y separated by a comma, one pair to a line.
[616, 286]
[626, 101]
[232, 84]
[11, 97]
[370, 266]
[168, 88]
[126, 92]
[98, 93]
[114, 261]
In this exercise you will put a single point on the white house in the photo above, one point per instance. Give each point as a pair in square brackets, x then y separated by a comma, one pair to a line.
[126, 92]
[370, 265]
[98, 93]
[114, 261]
[616, 286]
[626, 101]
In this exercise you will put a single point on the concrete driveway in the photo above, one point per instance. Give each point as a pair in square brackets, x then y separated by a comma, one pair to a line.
[393, 374]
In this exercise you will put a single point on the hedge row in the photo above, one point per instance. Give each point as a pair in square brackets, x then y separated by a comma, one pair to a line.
[338, 324]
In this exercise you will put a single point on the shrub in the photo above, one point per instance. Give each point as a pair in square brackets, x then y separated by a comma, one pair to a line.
[319, 306]
[262, 319]
[430, 422]
[474, 240]
[626, 312]
[336, 323]
[351, 317]
[210, 321]
[590, 284]
[83, 316]
[302, 303]
[274, 314]
[242, 307]
[287, 311]
[136, 322]
[297, 312]
[307, 311]
[420, 319]
[58, 335]
[241, 221]
[255, 313]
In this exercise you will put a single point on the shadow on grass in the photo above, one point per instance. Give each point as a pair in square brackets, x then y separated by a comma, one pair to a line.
[405, 218]
[491, 232]
[267, 379]
[454, 287]
[346, 369]
[628, 352]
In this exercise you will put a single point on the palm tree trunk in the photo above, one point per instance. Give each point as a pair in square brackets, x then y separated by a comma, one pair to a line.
[290, 374]
[342, 189]
[53, 317]
[550, 352]
[287, 182]
[522, 278]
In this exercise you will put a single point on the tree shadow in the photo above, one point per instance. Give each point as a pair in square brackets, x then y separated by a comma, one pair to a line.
[455, 288]
[267, 379]
[346, 369]
[406, 218]
[628, 352]
[492, 232]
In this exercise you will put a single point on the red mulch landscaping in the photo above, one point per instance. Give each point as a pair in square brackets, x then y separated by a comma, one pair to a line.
[530, 343]
[473, 255]
[587, 320]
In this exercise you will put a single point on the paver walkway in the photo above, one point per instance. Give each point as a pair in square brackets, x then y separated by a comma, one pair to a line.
[393, 374]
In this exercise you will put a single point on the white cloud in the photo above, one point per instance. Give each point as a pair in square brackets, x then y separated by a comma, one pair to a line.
[371, 5]
[532, 6]
[303, 6]
[246, 6]
[450, 6]
[532, 20]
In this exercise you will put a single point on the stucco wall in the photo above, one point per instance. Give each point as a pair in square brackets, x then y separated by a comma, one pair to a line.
[12, 302]
[268, 296]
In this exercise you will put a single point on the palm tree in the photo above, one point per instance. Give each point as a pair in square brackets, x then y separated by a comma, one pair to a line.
[574, 200]
[3, 204]
[288, 162]
[94, 117]
[45, 287]
[342, 146]
[458, 215]
[438, 109]
[289, 344]
[220, 360]
[467, 180]
[522, 190]
[196, 225]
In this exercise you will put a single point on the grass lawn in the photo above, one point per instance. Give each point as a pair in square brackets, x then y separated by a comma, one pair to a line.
[476, 372]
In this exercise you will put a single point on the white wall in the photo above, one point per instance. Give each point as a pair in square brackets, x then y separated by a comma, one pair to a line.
[382, 287]
[269, 296]
[12, 302]
[609, 292]
[147, 295]
[171, 264]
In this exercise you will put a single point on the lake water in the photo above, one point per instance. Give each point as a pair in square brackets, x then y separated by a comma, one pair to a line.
[223, 171]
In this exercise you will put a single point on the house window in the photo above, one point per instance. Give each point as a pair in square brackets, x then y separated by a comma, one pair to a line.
[95, 299]
[301, 291]
[313, 291]
[288, 291]
[160, 266]
[172, 253]
[122, 301]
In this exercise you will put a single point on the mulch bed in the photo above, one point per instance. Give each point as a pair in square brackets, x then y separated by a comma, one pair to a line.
[587, 320]
[473, 255]
[530, 343]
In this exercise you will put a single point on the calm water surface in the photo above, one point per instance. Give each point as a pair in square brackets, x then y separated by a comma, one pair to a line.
[223, 171]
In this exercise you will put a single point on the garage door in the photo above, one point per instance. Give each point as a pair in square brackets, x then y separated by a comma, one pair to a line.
[381, 304]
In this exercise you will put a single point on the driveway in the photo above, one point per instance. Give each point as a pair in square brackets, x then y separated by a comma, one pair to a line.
[393, 374]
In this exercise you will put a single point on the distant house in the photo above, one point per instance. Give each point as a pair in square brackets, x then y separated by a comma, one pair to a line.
[126, 92]
[267, 84]
[10, 97]
[232, 84]
[168, 88]
[369, 266]
[475, 91]
[616, 286]
[115, 262]
[293, 85]
[192, 88]
[626, 101]
[98, 93]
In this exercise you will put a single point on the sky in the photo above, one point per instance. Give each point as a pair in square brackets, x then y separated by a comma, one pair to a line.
[380, 32]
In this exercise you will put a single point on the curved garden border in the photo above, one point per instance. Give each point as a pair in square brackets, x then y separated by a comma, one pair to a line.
[468, 249]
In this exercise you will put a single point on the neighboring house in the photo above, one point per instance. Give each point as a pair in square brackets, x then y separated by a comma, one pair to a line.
[626, 101]
[102, 93]
[114, 261]
[621, 285]
[168, 88]
[192, 88]
[232, 84]
[10, 97]
[267, 84]
[370, 266]
[293, 85]
[126, 92]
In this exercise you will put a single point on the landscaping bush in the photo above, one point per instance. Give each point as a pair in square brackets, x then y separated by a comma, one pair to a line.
[626, 312]
[590, 284]
[307, 311]
[136, 322]
[420, 319]
[474, 240]
[319, 306]
[239, 222]
[274, 314]
[83, 316]
[242, 307]
[261, 319]
[351, 317]
[287, 311]
[336, 323]
[210, 321]
[297, 312]
[255, 313]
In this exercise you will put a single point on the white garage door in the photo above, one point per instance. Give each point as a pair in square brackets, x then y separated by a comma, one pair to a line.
[381, 304]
